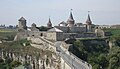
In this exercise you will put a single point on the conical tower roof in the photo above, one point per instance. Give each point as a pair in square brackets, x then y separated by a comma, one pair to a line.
[71, 16]
[88, 21]
[71, 20]
[49, 24]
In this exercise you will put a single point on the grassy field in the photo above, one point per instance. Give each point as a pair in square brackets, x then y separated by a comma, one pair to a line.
[114, 32]
[7, 30]
[7, 34]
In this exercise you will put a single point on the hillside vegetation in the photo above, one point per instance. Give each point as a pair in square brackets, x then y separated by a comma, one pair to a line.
[18, 48]
[97, 53]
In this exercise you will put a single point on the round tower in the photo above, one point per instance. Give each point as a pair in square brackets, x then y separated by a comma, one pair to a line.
[71, 20]
[89, 23]
[22, 23]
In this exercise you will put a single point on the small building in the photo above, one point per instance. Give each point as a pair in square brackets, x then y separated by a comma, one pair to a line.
[55, 34]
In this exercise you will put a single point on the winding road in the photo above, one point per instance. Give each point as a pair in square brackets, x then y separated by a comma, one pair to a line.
[71, 60]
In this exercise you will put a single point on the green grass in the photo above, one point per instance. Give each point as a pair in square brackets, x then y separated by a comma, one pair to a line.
[114, 32]
[7, 34]
[7, 30]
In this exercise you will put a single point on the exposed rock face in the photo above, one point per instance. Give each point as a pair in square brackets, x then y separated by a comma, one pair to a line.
[42, 58]
[40, 61]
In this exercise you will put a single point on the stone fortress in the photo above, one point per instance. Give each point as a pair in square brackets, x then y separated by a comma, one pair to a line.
[54, 40]
[64, 30]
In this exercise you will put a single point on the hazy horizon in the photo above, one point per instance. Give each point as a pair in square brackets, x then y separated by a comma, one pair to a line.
[103, 12]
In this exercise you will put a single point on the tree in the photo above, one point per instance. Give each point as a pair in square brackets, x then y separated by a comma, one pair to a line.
[96, 66]
[102, 60]
[43, 28]
[15, 63]
[114, 58]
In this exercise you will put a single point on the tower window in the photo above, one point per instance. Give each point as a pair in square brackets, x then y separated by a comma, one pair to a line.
[41, 34]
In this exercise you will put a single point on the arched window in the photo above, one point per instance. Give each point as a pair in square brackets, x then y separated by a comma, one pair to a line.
[41, 34]
[33, 35]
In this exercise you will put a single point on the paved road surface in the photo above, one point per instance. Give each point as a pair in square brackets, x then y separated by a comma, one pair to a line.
[72, 61]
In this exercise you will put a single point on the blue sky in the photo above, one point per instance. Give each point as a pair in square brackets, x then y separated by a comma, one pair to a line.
[38, 11]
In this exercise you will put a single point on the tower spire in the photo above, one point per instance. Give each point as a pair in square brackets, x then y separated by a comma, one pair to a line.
[71, 16]
[49, 24]
[49, 20]
[88, 21]
[71, 20]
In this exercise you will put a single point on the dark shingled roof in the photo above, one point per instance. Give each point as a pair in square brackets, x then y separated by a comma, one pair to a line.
[71, 17]
[88, 21]
[49, 22]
